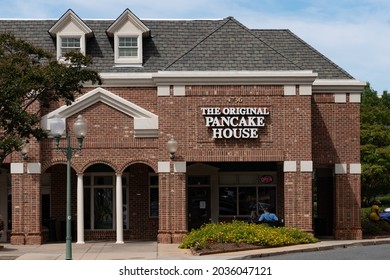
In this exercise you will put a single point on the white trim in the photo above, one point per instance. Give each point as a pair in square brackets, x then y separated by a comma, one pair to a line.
[340, 97]
[34, 168]
[163, 90]
[127, 16]
[234, 77]
[180, 167]
[183, 78]
[340, 168]
[305, 90]
[290, 90]
[17, 168]
[354, 97]
[179, 90]
[306, 166]
[64, 21]
[163, 167]
[290, 166]
[355, 168]
[338, 86]
[145, 122]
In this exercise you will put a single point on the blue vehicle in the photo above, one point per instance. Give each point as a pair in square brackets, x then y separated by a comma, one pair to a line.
[385, 215]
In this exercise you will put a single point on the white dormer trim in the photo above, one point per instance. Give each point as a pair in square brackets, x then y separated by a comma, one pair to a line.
[145, 122]
[127, 25]
[70, 26]
[128, 16]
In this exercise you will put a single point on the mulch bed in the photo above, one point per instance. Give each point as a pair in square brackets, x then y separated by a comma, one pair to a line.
[215, 248]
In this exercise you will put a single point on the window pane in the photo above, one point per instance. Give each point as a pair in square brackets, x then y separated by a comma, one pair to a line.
[128, 47]
[70, 42]
[228, 201]
[247, 201]
[266, 199]
[103, 207]
[103, 180]
[153, 180]
[228, 179]
[124, 207]
[198, 180]
[128, 41]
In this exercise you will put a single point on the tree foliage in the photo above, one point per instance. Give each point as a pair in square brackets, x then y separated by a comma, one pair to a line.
[375, 144]
[31, 79]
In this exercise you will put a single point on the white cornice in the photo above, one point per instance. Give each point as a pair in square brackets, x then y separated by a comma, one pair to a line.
[128, 79]
[233, 77]
[338, 86]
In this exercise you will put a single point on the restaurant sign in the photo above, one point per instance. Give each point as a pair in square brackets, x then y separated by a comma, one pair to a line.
[235, 122]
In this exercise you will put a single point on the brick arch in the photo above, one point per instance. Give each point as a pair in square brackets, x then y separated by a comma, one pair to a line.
[99, 161]
[54, 161]
[148, 162]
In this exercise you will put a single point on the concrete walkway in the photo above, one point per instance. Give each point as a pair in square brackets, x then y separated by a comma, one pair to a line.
[151, 250]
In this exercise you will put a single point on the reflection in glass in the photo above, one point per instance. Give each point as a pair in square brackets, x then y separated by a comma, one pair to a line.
[103, 208]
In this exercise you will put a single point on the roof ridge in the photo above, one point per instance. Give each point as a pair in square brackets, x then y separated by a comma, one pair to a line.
[169, 64]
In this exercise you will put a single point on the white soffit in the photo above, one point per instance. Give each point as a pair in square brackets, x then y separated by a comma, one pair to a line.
[145, 122]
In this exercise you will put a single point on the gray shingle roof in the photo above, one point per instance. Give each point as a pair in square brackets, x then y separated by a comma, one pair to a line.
[193, 45]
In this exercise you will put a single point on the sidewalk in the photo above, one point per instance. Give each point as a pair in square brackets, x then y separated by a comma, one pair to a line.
[151, 250]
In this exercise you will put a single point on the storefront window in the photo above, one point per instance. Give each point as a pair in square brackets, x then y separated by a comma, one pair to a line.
[253, 192]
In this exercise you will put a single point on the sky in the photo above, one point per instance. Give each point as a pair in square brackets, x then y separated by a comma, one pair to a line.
[354, 34]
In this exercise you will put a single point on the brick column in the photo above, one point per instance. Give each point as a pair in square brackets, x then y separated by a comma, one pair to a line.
[26, 204]
[179, 202]
[347, 202]
[298, 202]
[164, 219]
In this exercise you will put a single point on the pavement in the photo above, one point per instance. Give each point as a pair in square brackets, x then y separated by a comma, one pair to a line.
[152, 250]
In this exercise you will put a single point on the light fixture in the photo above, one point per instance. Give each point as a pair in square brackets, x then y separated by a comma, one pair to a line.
[25, 149]
[172, 147]
[57, 128]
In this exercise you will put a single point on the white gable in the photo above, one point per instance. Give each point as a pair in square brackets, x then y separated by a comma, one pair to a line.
[145, 122]
[128, 21]
[70, 23]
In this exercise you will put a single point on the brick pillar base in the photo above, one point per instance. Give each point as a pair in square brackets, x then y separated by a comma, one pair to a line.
[348, 234]
[164, 237]
[177, 236]
[17, 239]
[34, 239]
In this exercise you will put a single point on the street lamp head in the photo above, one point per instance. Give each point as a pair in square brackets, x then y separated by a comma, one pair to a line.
[25, 149]
[80, 128]
[57, 128]
[172, 147]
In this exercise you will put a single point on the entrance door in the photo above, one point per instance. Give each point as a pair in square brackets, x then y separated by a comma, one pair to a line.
[198, 206]
[323, 222]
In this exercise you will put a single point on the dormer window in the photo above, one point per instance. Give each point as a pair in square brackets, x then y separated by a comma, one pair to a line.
[71, 33]
[128, 32]
[69, 44]
[127, 47]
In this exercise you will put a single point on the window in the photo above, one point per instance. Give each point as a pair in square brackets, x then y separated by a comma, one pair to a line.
[128, 50]
[241, 194]
[99, 201]
[69, 44]
[128, 47]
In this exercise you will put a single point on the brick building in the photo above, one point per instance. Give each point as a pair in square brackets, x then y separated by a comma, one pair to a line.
[260, 118]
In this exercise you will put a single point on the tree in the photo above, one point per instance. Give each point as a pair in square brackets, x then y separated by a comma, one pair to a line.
[31, 79]
[375, 144]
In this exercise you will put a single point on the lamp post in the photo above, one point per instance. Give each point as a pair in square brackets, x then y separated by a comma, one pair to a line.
[57, 128]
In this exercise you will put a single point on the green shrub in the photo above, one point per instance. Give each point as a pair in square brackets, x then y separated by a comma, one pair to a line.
[242, 232]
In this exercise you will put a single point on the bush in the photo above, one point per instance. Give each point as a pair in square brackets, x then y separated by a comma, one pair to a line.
[242, 232]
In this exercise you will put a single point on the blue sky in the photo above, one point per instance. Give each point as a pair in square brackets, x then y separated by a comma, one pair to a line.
[355, 34]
